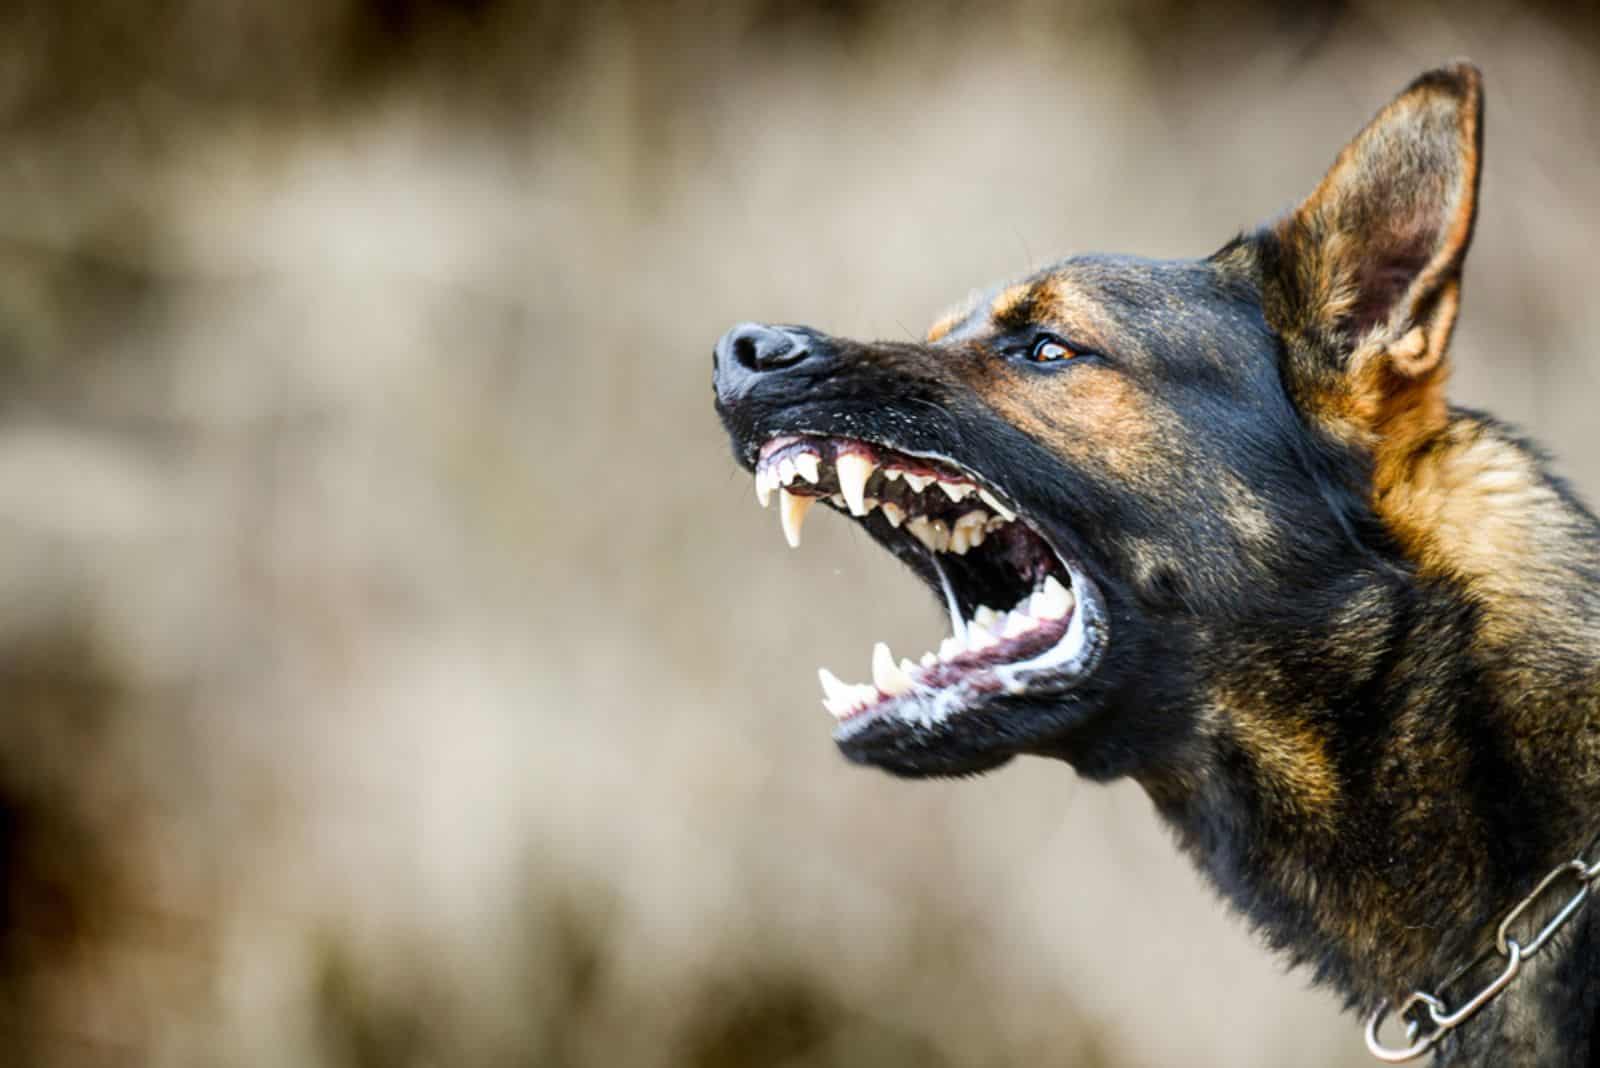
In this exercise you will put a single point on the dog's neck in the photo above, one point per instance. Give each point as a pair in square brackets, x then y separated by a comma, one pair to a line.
[1377, 839]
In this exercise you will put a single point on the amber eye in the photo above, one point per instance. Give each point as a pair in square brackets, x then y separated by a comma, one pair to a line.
[1050, 350]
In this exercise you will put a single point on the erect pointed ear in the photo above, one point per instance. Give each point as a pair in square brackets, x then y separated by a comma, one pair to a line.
[1363, 278]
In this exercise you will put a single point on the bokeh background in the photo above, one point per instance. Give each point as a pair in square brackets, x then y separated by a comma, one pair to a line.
[396, 669]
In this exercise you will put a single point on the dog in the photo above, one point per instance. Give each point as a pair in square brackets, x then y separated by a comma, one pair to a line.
[1212, 524]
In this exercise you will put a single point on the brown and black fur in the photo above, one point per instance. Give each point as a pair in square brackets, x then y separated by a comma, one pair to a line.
[1355, 631]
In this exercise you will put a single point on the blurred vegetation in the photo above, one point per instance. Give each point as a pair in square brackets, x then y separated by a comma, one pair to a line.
[372, 554]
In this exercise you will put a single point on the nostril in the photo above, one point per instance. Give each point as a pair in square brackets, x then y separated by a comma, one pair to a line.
[758, 347]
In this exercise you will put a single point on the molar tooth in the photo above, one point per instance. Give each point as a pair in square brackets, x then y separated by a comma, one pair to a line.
[786, 471]
[959, 543]
[892, 473]
[951, 648]
[941, 535]
[854, 469]
[985, 615]
[1055, 600]
[956, 490]
[808, 466]
[1018, 624]
[893, 513]
[922, 530]
[792, 514]
[918, 483]
[994, 502]
[886, 675]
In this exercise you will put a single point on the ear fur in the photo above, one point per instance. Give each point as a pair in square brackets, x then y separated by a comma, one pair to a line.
[1363, 279]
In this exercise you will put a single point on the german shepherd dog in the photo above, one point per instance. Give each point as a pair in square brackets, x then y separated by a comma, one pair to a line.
[1213, 524]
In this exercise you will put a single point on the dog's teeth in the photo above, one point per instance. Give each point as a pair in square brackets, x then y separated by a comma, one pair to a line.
[959, 544]
[993, 502]
[1018, 624]
[786, 471]
[892, 473]
[929, 659]
[941, 535]
[951, 648]
[808, 465]
[907, 666]
[792, 514]
[1052, 601]
[837, 697]
[956, 490]
[979, 639]
[886, 674]
[993, 523]
[893, 513]
[863, 694]
[766, 482]
[922, 530]
[854, 469]
[918, 483]
[837, 500]
[985, 615]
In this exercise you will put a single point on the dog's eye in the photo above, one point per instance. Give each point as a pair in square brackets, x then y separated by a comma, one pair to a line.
[1050, 350]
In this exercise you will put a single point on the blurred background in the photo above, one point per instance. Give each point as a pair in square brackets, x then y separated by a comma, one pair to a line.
[398, 670]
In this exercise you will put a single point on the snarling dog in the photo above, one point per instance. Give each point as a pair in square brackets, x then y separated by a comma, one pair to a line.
[1212, 524]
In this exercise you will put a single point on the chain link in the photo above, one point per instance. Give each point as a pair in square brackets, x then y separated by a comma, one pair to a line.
[1441, 1019]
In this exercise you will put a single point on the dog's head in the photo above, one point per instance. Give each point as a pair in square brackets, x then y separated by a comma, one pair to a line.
[1122, 475]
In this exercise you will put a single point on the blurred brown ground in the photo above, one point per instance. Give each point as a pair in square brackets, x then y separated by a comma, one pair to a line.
[398, 670]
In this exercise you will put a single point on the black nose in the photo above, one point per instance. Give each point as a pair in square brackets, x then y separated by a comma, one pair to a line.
[750, 350]
[759, 347]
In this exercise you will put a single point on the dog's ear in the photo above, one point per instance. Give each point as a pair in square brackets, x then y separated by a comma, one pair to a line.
[1363, 279]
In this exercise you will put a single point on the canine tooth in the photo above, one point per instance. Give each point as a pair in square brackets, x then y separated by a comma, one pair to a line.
[786, 471]
[956, 490]
[918, 483]
[993, 502]
[886, 674]
[985, 615]
[808, 465]
[922, 530]
[792, 514]
[854, 469]
[766, 482]
[893, 513]
[1018, 624]
[838, 697]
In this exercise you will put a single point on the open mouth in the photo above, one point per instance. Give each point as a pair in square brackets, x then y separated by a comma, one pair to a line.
[1024, 618]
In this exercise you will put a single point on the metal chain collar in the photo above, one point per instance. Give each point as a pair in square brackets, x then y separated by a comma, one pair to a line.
[1443, 1019]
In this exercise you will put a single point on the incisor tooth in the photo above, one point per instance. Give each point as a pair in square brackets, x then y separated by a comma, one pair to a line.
[854, 469]
[792, 514]
[807, 464]
[886, 675]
